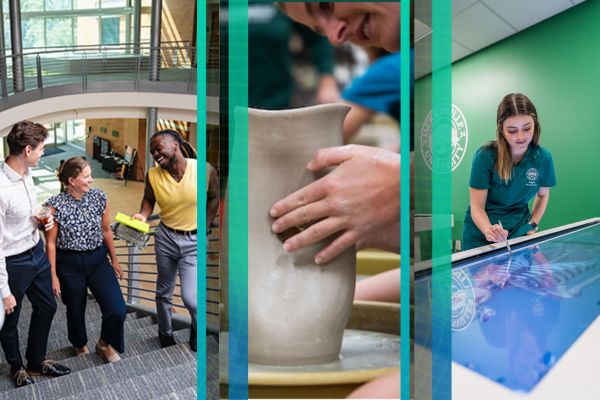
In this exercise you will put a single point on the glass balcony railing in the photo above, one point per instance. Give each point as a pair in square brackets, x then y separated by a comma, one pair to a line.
[81, 69]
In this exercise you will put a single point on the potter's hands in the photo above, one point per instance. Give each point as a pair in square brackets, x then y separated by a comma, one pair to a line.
[495, 233]
[358, 198]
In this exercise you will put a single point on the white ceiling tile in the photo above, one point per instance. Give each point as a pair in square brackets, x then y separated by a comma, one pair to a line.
[459, 6]
[421, 30]
[423, 49]
[422, 68]
[459, 51]
[478, 27]
[422, 11]
[522, 14]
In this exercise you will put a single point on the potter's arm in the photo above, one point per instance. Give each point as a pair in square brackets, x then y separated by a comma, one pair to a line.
[381, 287]
[357, 199]
[386, 387]
[387, 238]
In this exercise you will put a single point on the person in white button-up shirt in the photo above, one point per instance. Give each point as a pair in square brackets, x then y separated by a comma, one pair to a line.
[24, 267]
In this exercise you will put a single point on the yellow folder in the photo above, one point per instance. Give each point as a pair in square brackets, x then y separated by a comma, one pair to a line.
[132, 223]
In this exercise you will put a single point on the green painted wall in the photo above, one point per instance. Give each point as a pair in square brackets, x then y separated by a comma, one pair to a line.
[557, 64]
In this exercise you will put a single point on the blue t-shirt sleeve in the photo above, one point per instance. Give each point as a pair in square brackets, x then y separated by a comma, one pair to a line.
[549, 176]
[482, 169]
[379, 88]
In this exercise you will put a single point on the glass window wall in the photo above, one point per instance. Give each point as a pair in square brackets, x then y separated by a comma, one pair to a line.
[48, 23]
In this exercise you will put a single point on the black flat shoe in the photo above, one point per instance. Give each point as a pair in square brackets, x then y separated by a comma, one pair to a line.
[49, 368]
[193, 340]
[166, 340]
[21, 378]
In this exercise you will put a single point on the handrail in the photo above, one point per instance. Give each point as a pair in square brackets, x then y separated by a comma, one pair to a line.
[128, 44]
[138, 281]
[69, 70]
[132, 286]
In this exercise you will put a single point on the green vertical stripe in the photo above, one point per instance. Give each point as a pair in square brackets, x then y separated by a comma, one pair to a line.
[202, 241]
[238, 199]
[441, 198]
[406, 77]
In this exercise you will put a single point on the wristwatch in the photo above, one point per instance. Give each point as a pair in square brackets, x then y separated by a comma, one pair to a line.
[533, 225]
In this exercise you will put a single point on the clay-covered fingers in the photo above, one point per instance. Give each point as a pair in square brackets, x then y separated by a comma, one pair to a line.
[302, 215]
[335, 248]
[331, 156]
[308, 194]
[313, 234]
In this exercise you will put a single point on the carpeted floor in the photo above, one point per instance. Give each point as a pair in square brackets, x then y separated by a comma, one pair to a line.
[50, 151]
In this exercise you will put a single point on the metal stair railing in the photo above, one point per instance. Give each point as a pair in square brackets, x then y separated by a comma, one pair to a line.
[101, 64]
[139, 268]
[213, 281]
[140, 276]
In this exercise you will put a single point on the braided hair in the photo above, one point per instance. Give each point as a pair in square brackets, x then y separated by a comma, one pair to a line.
[187, 149]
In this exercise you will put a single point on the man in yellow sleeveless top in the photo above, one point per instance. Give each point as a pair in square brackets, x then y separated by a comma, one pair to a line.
[172, 184]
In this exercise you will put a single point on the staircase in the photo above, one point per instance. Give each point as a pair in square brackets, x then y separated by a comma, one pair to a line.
[145, 372]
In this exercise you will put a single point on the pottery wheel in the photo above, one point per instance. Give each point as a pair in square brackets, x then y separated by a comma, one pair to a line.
[364, 356]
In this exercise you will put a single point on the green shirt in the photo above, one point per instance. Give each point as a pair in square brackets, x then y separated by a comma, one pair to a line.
[507, 202]
[270, 81]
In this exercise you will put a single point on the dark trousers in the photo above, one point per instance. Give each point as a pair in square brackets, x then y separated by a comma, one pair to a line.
[79, 270]
[29, 274]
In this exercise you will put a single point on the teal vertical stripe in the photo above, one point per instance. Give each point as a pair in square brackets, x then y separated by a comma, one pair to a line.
[238, 199]
[406, 76]
[202, 242]
[441, 198]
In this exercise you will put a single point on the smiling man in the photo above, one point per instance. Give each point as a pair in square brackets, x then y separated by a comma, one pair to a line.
[365, 24]
[360, 199]
[173, 186]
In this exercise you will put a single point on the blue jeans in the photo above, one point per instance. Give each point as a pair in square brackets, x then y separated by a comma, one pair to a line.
[175, 254]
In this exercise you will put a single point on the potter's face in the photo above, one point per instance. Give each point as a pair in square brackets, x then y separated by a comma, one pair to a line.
[518, 131]
[374, 24]
[83, 181]
[33, 154]
[163, 149]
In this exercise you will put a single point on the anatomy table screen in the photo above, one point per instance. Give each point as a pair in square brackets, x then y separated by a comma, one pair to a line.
[513, 317]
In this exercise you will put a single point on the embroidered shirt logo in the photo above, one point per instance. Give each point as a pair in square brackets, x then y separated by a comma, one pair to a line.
[460, 136]
[532, 176]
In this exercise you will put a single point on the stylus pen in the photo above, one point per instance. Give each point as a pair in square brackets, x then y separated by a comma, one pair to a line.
[506, 239]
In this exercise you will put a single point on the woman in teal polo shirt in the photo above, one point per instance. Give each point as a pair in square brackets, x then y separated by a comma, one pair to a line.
[506, 174]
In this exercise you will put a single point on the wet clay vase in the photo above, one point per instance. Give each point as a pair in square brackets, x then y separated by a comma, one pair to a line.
[297, 310]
